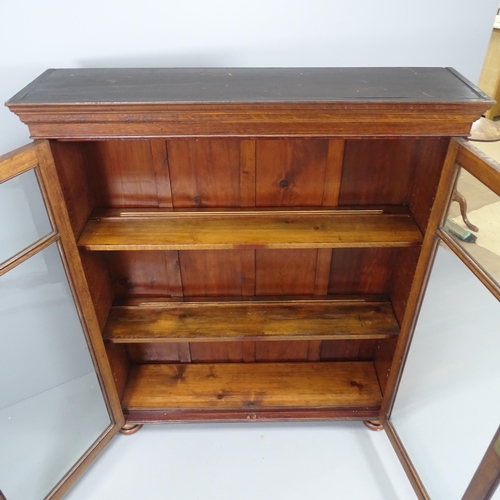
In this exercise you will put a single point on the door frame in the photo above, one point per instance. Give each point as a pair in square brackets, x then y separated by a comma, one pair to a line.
[38, 156]
[461, 154]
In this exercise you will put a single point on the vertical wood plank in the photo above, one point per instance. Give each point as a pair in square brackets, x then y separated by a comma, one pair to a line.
[282, 351]
[323, 266]
[161, 167]
[438, 213]
[333, 174]
[247, 172]
[214, 273]
[248, 272]
[205, 172]
[384, 352]
[377, 172]
[285, 272]
[405, 265]
[173, 267]
[184, 349]
[314, 350]
[71, 166]
[210, 352]
[348, 350]
[249, 352]
[429, 160]
[99, 283]
[119, 363]
[155, 352]
[141, 273]
[122, 174]
[290, 172]
[361, 270]
[78, 282]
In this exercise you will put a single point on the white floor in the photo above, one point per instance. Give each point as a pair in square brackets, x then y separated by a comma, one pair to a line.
[43, 436]
[338, 460]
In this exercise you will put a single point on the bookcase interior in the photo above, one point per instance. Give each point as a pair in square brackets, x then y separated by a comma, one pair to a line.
[231, 274]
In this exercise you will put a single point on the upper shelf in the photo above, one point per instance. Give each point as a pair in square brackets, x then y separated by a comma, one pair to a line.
[119, 103]
[116, 229]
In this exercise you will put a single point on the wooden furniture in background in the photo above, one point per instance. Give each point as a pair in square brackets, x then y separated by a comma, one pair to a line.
[489, 81]
[255, 242]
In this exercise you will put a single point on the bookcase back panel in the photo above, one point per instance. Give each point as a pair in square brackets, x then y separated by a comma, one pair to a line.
[240, 273]
[429, 160]
[361, 270]
[248, 352]
[377, 172]
[207, 173]
[222, 273]
[122, 173]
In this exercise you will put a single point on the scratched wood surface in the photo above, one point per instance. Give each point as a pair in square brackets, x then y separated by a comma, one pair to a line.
[256, 385]
[234, 230]
[285, 320]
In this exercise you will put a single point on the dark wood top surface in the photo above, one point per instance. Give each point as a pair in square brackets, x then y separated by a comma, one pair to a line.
[243, 85]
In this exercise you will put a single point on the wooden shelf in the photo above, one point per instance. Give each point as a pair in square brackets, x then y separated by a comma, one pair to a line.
[251, 320]
[252, 386]
[204, 230]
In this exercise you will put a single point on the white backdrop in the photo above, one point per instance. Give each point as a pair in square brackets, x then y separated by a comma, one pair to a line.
[37, 35]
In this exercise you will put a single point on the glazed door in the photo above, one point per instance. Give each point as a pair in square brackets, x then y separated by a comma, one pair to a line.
[58, 405]
[446, 413]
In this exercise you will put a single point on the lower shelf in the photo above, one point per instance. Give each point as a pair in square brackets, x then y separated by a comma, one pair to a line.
[257, 391]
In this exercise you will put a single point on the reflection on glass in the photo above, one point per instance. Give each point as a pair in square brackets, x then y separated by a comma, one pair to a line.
[23, 216]
[474, 222]
[51, 406]
[447, 409]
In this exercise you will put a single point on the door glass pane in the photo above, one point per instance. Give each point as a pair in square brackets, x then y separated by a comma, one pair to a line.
[23, 216]
[478, 233]
[51, 405]
[447, 408]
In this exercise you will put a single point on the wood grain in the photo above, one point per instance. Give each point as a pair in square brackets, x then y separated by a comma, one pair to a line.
[298, 350]
[404, 266]
[343, 350]
[377, 172]
[205, 173]
[361, 270]
[154, 352]
[243, 102]
[138, 273]
[438, 213]
[219, 273]
[159, 157]
[119, 363]
[479, 165]
[233, 230]
[259, 385]
[292, 320]
[247, 173]
[428, 163]
[217, 352]
[486, 479]
[123, 174]
[291, 172]
[285, 273]
[71, 163]
[18, 161]
[99, 284]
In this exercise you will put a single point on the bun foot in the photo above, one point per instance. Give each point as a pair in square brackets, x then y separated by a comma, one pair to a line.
[373, 425]
[128, 429]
